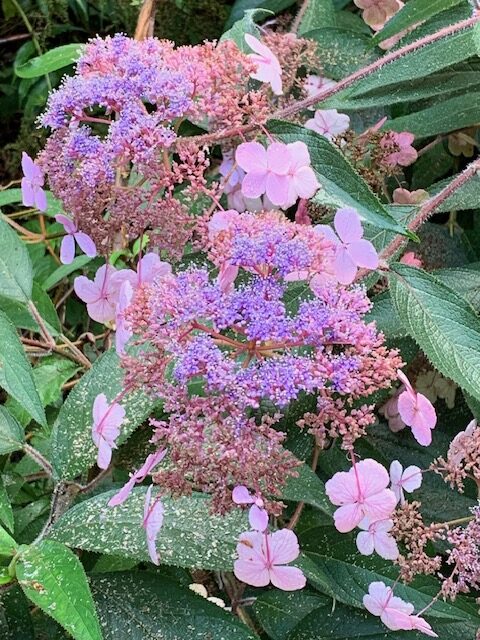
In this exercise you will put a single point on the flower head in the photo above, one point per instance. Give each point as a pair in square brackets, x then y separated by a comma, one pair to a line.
[32, 182]
[360, 492]
[416, 412]
[268, 68]
[261, 556]
[352, 250]
[376, 537]
[152, 523]
[402, 479]
[67, 248]
[395, 613]
[328, 123]
[106, 428]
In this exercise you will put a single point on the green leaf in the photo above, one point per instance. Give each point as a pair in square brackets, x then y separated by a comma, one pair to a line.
[241, 6]
[173, 612]
[6, 512]
[73, 450]
[52, 60]
[15, 620]
[345, 575]
[342, 51]
[319, 14]
[446, 115]
[412, 13]
[16, 277]
[241, 27]
[8, 546]
[336, 175]
[53, 578]
[307, 487]
[12, 436]
[16, 373]
[65, 270]
[21, 317]
[190, 537]
[441, 322]
[464, 281]
[466, 197]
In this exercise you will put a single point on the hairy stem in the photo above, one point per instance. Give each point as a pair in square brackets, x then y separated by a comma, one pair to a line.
[299, 17]
[39, 458]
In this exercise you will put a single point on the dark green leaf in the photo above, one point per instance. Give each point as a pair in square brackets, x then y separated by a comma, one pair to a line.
[52, 60]
[466, 197]
[241, 6]
[16, 277]
[137, 606]
[11, 433]
[16, 373]
[73, 450]
[319, 14]
[441, 322]
[15, 620]
[6, 512]
[22, 318]
[338, 179]
[53, 578]
[307, 487]
[342, 51]
[65, 270]
[246, 25]
[190, 536]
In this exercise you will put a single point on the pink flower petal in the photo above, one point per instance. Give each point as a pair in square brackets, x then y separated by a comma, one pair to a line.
[68, 224]
[287, 578]
[386, 546]
[365, 543]
[348, 225]
[363, 253]
[85, 289]
[67, 249]
[305, 182]
[254, 183]
[373, 477]
[104, 456]
[411, 478]
[299, 154]
[152, 523]
[380, 505]
[123, 494]
[283, 546]
[347, 517]
[28, 166]
[241, 495]
[342, 487]
[28, 195]
[277, 189]
[251, 572]
[86, 244]
[40, 199]
[278, 158]
[251, 156]
[258, 518]
[345, 268]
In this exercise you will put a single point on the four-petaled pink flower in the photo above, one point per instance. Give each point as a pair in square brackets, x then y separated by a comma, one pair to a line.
[360, 492]
[32, 182]
[152, 523]
[395, 613]
[101, 294]
[282, 171]
[261, 556]
[404, 480]
[404, 196]
[417, 412]
[352, 250]
[399, 149]
[149, 268]
[377, 12]
[457, 450]
[268, 67]
[328, 123]
[376, 537]
[150, 463]
[106, 428]
[257, 516]
[67, 248]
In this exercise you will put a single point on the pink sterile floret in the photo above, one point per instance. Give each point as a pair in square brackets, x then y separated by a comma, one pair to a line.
[152, 523]
[106, 428]
[150, 463]
[282, 172]
[360, 492]
[328, 123]
[404, 480]
[395, 613]
[268, 68]
[376, 537]
[67, 248]
[261, 556]
[352, 250]
[416, 412]
[32, 182]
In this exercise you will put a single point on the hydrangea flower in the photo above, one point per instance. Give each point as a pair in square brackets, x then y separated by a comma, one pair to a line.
[457, 450]
[416, 412]
[395, 613]
[257, 516]
[360, 493]
[101, 294]
[377, 12]
[261, 557]
[106, 428]
[352, 250]
[150, 463]
[398, 149]
[328, 123]
[376, 537]
[67, 248]
[268, 68]
[282, 172]
[402, 479]
[32, 182]
[152, 523]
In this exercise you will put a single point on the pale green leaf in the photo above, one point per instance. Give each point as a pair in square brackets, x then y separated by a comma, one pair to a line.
[52, 60]
[12, 436]
[16, 277]
[53, 578]
[318, 15]
[241, 6]
[6, 511]
[190, 537]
